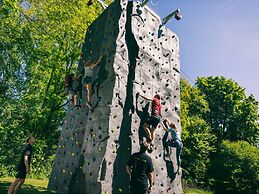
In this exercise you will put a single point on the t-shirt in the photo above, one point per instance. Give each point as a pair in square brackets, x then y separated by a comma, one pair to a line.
[89, 71]
[156, 107]
[141, 165]
[27, 151]
[175, 134]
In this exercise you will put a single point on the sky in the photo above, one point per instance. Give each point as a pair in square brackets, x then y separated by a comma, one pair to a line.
[217, 38]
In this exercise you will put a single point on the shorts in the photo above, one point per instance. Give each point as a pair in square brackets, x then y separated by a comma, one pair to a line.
[153, 120]
[68, 89]
[174, 143]
[86, 80]
[21, 174]
[73, 92]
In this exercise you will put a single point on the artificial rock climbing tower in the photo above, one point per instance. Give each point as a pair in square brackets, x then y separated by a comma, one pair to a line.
[138, 56]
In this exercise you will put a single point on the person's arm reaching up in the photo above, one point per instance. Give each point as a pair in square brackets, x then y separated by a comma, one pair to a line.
[92, 64]
[144, 97]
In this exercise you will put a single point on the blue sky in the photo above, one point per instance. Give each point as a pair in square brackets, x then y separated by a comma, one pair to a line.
[217, 37]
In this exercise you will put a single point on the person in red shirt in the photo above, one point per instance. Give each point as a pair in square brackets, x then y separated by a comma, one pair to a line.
[153, 120]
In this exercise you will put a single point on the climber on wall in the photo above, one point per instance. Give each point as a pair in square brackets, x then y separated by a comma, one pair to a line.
[87, 80]
[140, 168]
[175, 141]
[153, 120]
[68, 86]
[76, 87]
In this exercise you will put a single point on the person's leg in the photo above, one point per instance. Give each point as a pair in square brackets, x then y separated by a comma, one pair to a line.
[146, 127]
[71, 99]
[165, 142]
[155, 122]
[153, 134]
[75, 99]
[178, 154]
[18, 186]
[71, 96]
[13, 185]
[89, 94]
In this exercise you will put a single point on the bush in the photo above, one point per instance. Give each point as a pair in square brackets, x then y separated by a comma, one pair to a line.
[236, 168]
[198, 144]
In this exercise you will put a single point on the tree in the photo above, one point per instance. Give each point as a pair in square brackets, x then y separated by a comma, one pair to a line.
[196, 134]
[236, 168]
[40, 43]
[232, 116]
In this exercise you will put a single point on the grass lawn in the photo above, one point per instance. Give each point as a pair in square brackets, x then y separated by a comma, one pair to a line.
[195, 191]
[31, 186]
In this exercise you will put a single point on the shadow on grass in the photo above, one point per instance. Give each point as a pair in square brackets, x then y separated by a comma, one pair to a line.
[26, 189]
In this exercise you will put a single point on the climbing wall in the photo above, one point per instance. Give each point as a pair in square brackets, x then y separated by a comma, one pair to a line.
[137, 56]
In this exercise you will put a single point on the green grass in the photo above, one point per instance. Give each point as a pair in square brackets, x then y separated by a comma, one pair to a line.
[31, 186]
[34, 186]
[196, 191]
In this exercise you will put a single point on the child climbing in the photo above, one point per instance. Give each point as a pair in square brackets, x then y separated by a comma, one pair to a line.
[68, 86]
[174, 142]
[76, 87]
[87, 80]
[153, 120]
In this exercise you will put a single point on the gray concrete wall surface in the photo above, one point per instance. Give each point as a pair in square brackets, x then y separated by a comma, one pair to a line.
[94, 147]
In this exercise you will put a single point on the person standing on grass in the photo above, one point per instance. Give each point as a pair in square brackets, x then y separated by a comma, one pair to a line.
[23, 167]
